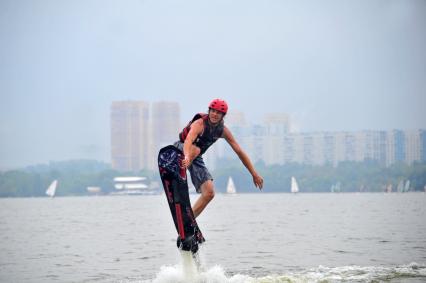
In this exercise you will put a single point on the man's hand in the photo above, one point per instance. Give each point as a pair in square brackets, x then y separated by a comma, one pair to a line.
[186, 162]
[258, 181]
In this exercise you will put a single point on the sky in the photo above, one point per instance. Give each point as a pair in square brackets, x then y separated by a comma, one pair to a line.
[331, 65]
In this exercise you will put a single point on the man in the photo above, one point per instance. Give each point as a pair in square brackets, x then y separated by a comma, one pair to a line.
[201, 132]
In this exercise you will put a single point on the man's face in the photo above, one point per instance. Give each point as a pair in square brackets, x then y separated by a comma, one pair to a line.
[215, 116]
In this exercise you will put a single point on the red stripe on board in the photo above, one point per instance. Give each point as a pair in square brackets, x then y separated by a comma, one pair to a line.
[180, 221]
[168, 193]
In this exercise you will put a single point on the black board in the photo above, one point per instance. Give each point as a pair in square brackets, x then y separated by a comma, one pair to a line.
[175, 184]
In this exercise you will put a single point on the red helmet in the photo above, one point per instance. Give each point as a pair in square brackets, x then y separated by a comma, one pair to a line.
[219, 105]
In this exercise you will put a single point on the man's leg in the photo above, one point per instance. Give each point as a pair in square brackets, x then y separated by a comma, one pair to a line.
[207, 194]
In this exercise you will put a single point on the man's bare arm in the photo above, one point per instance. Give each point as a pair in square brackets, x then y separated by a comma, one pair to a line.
[189, 149]
[257, 179]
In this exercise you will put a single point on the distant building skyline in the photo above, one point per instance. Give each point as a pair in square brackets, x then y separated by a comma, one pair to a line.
[274, 143]
[320, 148]
[271, 142]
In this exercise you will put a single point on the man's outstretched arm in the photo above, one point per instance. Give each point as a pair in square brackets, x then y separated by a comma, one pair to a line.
[257, 179]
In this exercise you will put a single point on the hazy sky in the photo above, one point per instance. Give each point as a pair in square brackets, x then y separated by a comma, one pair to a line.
[332, 65]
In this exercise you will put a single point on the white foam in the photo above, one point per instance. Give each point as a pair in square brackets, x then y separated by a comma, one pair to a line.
[192, 270]
[187, 272]
[215, 274]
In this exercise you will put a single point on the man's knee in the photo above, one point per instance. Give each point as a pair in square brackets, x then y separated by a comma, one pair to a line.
[207, 190]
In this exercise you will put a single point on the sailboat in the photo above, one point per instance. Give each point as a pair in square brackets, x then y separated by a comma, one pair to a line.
[294, 186]
[51, 190]
[407, 186]
[230, 188]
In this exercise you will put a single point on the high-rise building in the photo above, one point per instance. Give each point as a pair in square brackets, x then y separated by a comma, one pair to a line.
[298, 148]
[412, 146]
[371, 145]
[251, 139]
[277, 124]
[423, 145]
[398, 141]
[329, 148]
[316, 155]
[390, 148]
[165, 123]
[130, 135]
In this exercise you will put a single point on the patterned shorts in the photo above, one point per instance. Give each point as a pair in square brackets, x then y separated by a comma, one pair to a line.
[197, 169]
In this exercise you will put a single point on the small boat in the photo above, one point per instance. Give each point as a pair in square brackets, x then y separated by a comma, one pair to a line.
[230, 188]
[132, 185]
[294, 186]
[51, 190]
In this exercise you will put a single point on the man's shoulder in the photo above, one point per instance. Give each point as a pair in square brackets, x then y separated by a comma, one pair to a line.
[198, 122]
[226, 132]
[199, 116]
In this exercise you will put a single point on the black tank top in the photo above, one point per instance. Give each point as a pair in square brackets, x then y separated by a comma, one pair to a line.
[209, 135]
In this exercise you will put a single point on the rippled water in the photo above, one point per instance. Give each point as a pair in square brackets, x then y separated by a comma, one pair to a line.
[250, 238]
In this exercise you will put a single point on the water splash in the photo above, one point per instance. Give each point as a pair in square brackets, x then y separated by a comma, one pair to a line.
[187, 272]
[191, 270]
[176, 274]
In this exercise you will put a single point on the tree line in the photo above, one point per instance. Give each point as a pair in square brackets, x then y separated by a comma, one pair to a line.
[367, 176]
[75, 176]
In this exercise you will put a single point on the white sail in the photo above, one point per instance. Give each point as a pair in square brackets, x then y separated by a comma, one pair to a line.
[294, 186]
[230, 188]
[51, 190]
[407, 186]
[337, 188]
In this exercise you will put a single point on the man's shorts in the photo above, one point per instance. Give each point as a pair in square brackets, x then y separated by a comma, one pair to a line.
[197, 169]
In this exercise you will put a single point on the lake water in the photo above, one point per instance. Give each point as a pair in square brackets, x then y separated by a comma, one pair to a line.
[255, 237]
